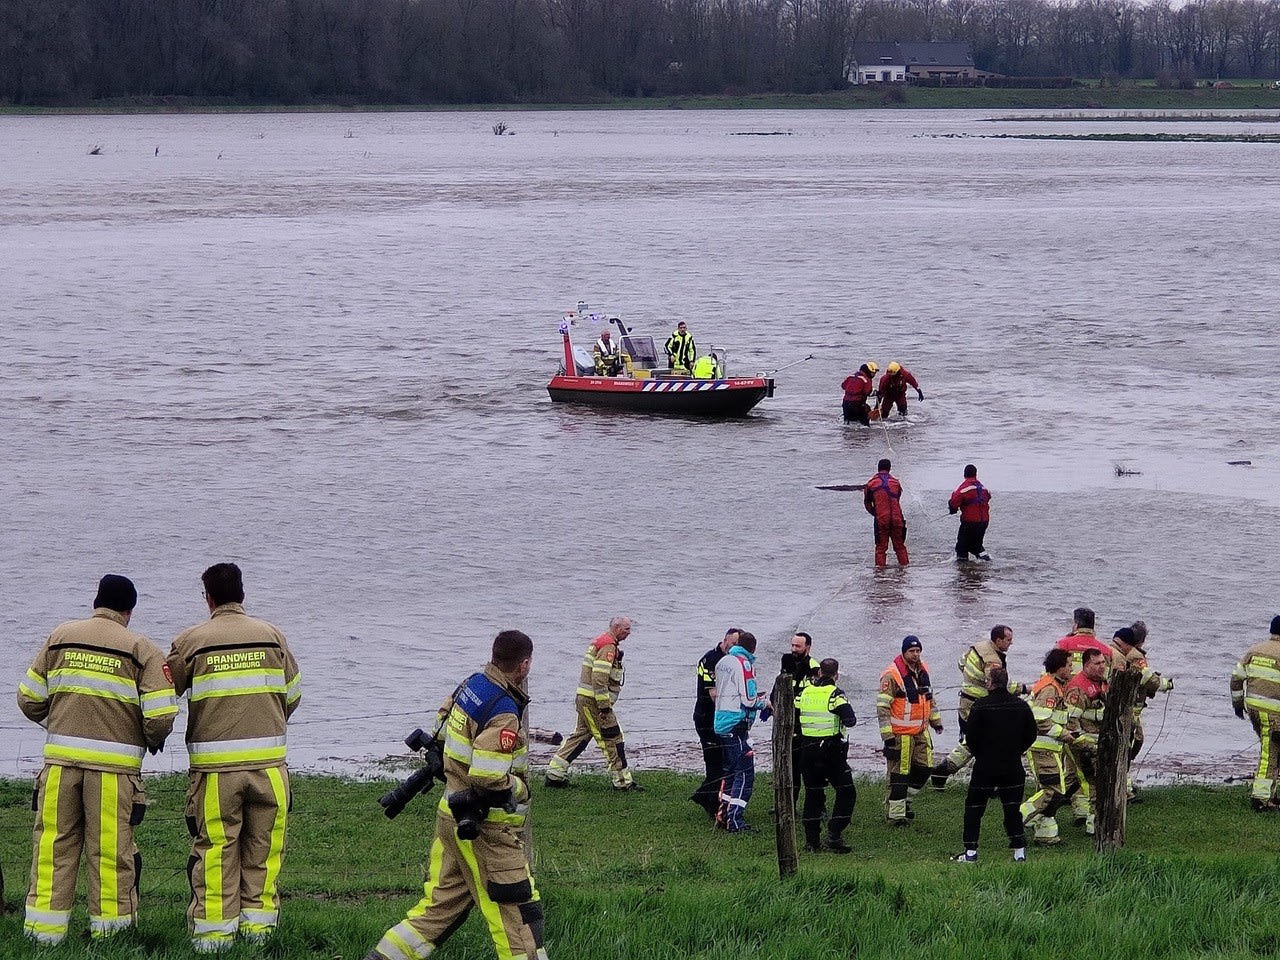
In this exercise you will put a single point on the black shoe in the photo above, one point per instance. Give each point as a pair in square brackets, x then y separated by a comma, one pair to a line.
[836, 845]
[812, 846]
[631, 787]
[557, 784]
[911, 814]
[1263, 806]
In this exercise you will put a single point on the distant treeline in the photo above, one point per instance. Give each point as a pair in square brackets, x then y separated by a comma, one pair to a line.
[485, 51]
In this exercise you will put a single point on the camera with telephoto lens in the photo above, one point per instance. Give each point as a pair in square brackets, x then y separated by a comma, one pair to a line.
[393, 801]
[470, 807]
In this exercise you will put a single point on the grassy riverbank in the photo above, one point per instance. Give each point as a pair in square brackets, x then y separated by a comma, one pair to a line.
[1249, 95]
[642, 876]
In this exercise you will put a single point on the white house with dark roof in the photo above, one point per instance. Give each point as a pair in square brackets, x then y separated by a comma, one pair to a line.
[893, 62]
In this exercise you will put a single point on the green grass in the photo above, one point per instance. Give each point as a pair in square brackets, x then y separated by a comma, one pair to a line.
[643, 876]
[1246, 95]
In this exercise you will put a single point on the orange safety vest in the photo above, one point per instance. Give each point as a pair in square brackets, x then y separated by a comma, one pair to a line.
[907, 718]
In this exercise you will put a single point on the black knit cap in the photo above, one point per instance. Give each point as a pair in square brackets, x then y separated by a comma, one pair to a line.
[1126, 635]
[116, 593]
[911, 640]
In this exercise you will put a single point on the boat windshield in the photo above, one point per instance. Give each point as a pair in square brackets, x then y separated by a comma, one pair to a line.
[642, 350]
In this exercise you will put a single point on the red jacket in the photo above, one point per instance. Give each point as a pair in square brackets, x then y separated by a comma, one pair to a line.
[857, 388]
[971, 499]
[895, 384]
[882, 498]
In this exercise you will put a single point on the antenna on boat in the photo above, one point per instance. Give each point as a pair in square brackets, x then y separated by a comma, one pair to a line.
[770, 373]
[623, 329]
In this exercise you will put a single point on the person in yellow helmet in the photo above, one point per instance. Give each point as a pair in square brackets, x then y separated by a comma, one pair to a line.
[857, 388]
[893, 389]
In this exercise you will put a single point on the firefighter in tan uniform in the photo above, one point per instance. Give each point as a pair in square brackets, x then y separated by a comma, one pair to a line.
[1255, 692]
[599, 684]
[906, 710]
[1129, 645]
[476, 857]
[104, 695]
[1086, 696]
[977, 660]
[1050, 756]
[244, 685]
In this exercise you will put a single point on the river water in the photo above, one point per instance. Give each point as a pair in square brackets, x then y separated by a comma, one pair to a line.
[318, 345]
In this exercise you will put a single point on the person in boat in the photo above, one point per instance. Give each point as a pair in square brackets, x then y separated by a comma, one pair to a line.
[708, 368]
[857, 388]
[607, 356]
[893, 389]
[681, 350]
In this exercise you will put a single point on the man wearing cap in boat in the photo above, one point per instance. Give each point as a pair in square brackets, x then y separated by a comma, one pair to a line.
[607, 356]
[681, 350]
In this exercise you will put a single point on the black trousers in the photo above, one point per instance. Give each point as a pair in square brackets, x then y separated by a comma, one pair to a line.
[708, 792]
[969, 539]
[825, 762]
[856, 413]
[1008, 787]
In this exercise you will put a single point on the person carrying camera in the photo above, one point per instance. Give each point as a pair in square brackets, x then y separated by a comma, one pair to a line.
[476, 857]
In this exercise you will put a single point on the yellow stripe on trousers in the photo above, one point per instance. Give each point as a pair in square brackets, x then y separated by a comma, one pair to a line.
[48, 833]
[213, 859]
[275, 852]
[492, 913]
[436, 864]
[108, 846]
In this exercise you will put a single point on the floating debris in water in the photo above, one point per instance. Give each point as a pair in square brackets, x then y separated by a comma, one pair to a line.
[1123, 470]
[845, 487]
[1239, 463]
[761, 133]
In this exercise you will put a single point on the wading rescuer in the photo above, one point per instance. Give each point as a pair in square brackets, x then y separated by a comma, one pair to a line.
[1255, 692]
[906, 710]
[825, 715]
[970, 500]
[1086, 695]
[607, 356]
[882, 498]
[707, 795]
[893, 389]
[103, 694]
[857, 388]
[1050, 756]
[476, 857]
[975, 666]
[244, 685]
[599, 684]
[681, 350]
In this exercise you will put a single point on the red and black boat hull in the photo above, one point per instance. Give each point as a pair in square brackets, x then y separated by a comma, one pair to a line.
[681, 396]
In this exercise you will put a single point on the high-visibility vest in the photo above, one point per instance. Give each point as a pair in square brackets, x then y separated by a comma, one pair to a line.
[817, 705]
[907, 718]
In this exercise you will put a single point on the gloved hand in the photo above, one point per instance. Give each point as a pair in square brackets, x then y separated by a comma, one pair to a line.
[766, 714]
[158, 748]
[953, 510]
[1239, 708]
[920, 394]
[1166, 683]
[937, 727]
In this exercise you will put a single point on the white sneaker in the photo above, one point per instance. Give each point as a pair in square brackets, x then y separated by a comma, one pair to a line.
[1020, 855]
[984, 556]
[969, 856]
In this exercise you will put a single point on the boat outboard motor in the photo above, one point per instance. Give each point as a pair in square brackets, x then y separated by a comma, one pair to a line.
[584, 361]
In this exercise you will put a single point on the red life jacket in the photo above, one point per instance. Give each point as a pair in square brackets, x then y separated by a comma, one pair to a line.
[857, 388]
[971, 497]
[885, 492]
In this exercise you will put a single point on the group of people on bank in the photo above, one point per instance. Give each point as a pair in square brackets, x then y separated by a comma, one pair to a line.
[107, 696]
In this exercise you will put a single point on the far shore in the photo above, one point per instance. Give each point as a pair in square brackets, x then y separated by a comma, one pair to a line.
[1244, 95]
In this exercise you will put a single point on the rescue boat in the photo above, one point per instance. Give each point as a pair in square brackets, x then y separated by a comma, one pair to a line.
[646, 385]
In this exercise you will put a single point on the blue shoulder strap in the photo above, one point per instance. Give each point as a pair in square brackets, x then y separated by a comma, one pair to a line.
[480, 699]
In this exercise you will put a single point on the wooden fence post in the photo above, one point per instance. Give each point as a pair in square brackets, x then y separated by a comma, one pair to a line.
[784, 798]
[1111, 803]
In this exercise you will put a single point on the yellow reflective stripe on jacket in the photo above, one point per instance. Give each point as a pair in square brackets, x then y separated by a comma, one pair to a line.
[159, 704]
[249, 750]
[60, 748]
[92, 683]
[233, 683]
[973, 673]
[293, 689]
[1265, 704]
[489, 764]
[1253, 670]
[1047, 743]
[816, 718]
[457, 747]
[34, 687]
